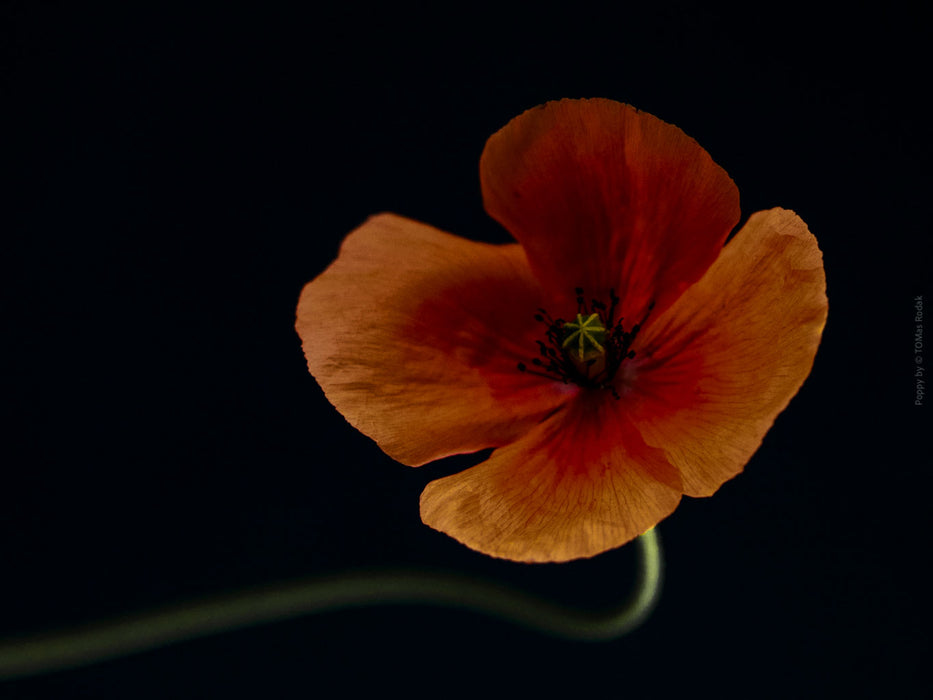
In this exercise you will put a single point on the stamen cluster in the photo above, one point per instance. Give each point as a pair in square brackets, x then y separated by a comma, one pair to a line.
[565, 361]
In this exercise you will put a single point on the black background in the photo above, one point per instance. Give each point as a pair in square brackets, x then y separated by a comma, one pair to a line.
[179, 172]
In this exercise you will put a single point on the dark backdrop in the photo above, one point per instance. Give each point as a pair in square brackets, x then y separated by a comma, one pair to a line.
[180, 171]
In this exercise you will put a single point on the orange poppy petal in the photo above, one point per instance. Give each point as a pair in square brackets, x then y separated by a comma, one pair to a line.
[579, 484]
[603, 197]
[714, 372]
[414, 336]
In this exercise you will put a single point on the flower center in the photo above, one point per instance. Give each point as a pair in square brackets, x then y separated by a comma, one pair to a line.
[587, 351]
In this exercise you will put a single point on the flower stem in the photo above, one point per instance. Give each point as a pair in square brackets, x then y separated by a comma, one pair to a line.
[146, 631]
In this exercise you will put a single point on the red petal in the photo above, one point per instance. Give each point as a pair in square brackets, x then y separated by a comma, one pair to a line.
[714, 372]
[578, 484]
[603, 196]
[415, 335]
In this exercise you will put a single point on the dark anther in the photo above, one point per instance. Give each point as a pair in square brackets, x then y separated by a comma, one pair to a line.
[558, 364]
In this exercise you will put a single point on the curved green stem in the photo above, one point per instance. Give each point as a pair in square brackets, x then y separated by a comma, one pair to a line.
[145, 631]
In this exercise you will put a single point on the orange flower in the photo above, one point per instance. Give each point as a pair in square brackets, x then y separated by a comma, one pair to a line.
[618, 356]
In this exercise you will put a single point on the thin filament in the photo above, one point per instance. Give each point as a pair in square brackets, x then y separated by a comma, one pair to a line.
[151, 630]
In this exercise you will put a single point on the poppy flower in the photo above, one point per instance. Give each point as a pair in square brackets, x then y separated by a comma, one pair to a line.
[618, 356]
